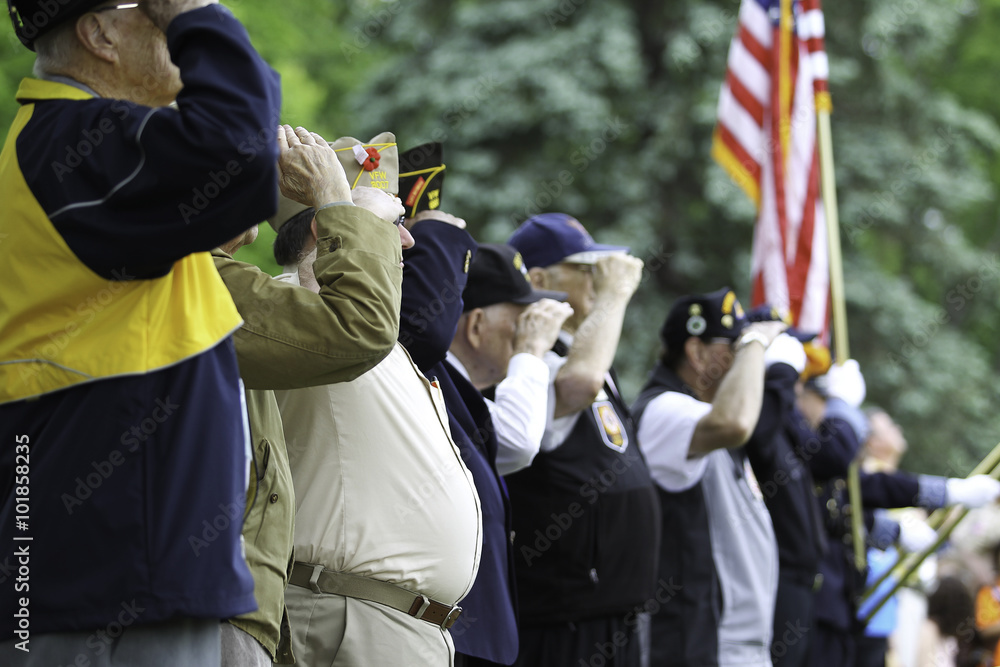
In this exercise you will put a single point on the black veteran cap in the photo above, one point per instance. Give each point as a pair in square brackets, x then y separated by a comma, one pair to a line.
[715, 315]
[421, 177]
[34, 18]
[498, 275]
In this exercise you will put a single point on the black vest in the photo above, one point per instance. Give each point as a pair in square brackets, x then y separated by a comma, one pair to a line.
[685, 627]
[586, 520]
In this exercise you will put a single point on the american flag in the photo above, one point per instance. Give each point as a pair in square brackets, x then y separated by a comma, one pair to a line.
[765, 137]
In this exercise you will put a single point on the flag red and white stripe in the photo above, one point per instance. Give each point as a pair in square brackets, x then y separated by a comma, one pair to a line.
[765, 138]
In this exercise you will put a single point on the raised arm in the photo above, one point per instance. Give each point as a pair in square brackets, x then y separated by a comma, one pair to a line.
[293, 337]
[142, 187]
[737, 403]
[578, 382]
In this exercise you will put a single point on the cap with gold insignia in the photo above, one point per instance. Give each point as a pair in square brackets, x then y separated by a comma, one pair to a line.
[374, 164]
[715, 315]
[421, 177]
[498, 275]
[34, 18]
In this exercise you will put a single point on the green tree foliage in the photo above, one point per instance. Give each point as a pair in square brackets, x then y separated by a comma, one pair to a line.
[605, 110]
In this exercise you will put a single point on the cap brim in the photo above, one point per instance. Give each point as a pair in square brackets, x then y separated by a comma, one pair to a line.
[595, 253]
[801, 336]
[537, 295]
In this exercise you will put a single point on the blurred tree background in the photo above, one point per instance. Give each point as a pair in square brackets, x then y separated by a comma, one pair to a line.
[605, 110]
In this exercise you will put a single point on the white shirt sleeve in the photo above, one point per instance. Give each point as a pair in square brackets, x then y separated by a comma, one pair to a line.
[520, 410]
[665, 432]
[556, 430]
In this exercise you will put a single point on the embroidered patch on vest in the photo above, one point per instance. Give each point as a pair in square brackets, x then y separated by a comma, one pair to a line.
[612, 431]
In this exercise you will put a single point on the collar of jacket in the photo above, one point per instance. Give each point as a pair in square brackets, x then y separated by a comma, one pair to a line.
[34, 90]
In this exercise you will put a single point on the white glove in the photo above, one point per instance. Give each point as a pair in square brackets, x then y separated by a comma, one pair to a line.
[786, 349]
[915, 535]
[973, 492]
[846, 383]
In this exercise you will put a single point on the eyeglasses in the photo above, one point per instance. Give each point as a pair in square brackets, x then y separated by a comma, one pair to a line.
[128, 5]
[582, 268]
[400, 220]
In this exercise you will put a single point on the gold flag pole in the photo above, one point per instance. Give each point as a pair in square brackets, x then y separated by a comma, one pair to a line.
[988, 465]
[840, 343]
[914, 560]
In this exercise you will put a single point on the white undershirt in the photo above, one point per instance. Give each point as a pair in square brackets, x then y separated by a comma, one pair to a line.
[665, 432]
[520, 410]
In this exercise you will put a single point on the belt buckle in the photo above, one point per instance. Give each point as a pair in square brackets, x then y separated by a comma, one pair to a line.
[452, 616]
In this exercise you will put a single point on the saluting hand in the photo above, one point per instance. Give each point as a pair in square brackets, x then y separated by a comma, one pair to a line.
[379, 202]
[310, 172]
[162, 12]
[617, 274]
[539, 325]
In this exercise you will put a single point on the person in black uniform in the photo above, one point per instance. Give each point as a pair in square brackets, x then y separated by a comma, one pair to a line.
[787, 486]
[832, 428]
[586, 516]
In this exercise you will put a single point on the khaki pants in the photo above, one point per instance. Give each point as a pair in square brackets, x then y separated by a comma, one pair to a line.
[334, 631]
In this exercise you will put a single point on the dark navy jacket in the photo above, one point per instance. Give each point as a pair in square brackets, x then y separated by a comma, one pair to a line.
[785, 480]
[434, 277]
[137, 483]
[829, 452]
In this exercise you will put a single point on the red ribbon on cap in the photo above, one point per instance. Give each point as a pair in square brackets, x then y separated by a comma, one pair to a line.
[373, 159]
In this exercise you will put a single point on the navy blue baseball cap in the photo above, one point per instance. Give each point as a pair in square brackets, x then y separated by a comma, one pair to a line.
[549, 238]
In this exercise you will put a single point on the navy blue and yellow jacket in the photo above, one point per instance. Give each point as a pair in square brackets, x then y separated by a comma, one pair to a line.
[116, 361]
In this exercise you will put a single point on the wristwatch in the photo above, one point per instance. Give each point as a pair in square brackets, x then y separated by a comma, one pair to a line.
[751, 337]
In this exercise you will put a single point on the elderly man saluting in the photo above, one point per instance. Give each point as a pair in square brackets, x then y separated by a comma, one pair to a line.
[123, 455]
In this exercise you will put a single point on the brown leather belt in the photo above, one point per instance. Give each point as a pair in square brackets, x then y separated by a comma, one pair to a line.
[320, 580]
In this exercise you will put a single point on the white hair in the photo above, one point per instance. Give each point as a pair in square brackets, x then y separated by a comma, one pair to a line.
[56, 51]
